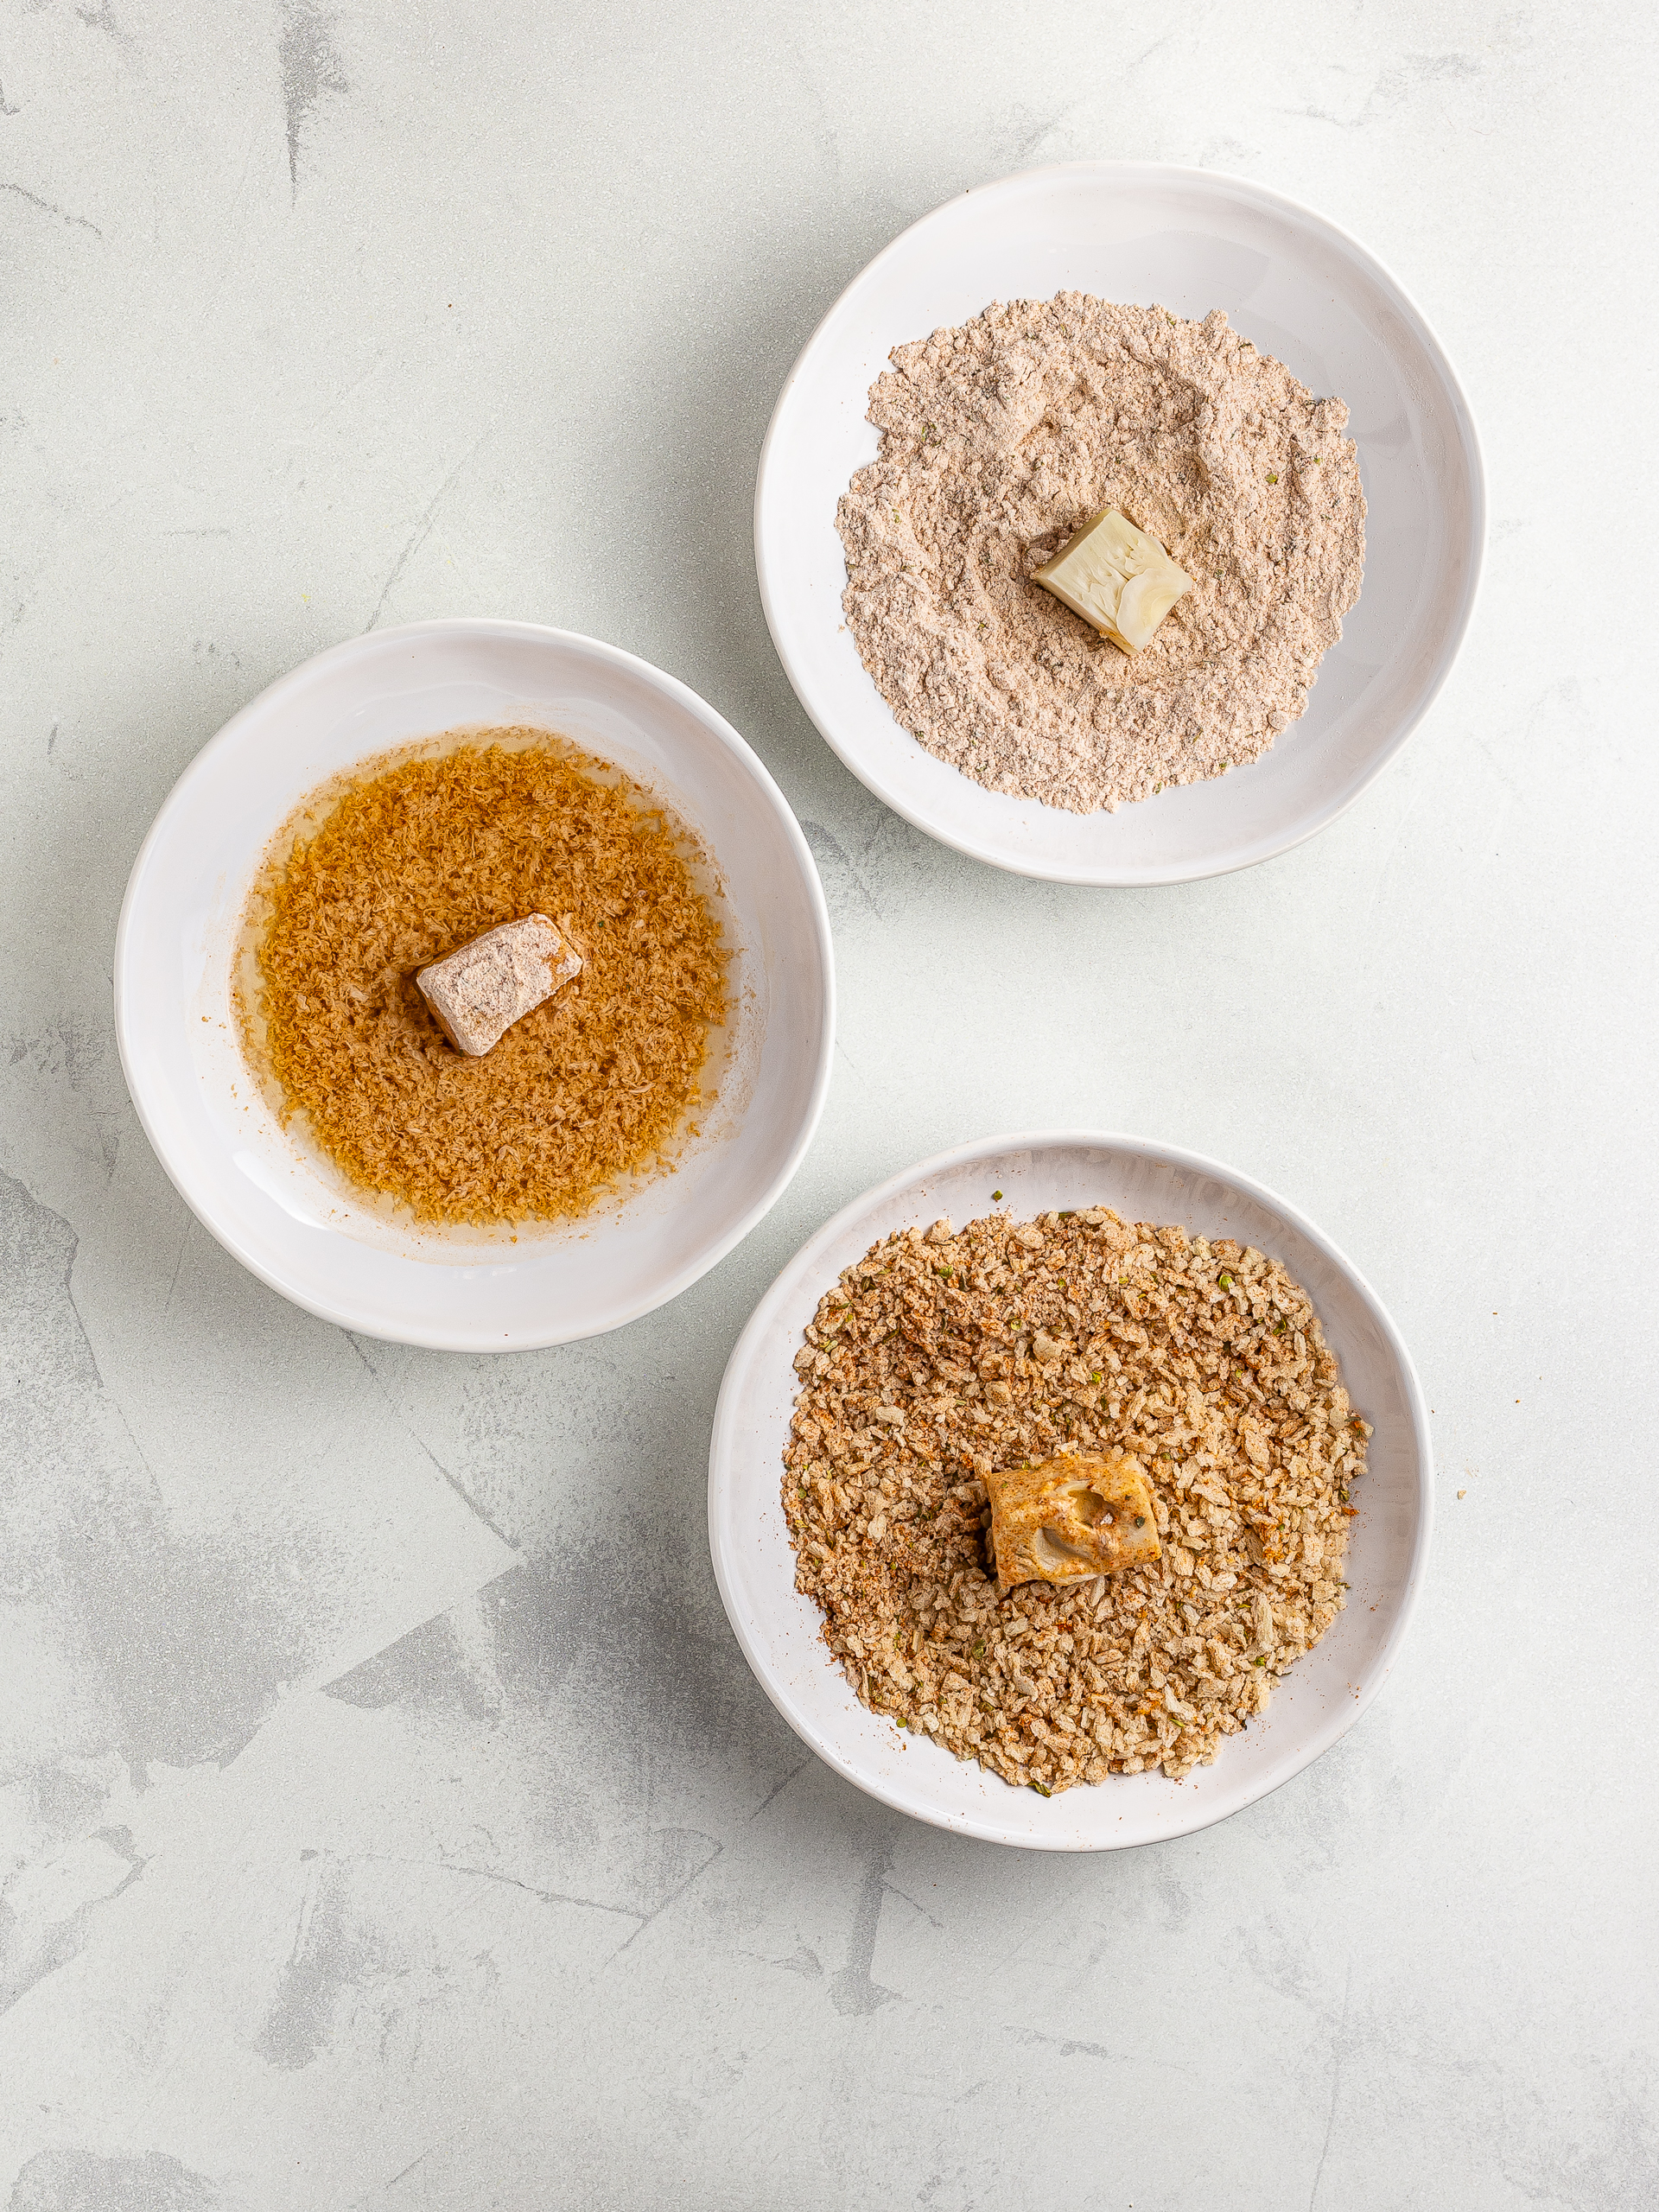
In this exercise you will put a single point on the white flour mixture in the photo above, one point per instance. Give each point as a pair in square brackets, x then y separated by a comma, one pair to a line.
[998, 440]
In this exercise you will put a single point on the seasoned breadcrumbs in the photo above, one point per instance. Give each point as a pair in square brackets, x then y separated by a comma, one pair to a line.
[412, 863]
[945, 1355]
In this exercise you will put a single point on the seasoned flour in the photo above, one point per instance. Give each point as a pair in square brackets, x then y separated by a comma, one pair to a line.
[998, 440]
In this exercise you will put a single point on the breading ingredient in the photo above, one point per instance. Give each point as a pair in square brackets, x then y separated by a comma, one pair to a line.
[944, 1356]
[999, 440]
[383, 879]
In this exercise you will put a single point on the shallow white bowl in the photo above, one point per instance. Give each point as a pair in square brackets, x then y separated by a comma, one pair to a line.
[289, 1216]
[1185, 239]
[1322, 1697]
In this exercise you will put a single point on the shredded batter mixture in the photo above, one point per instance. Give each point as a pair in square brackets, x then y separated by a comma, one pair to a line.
[418, 860]
[999, 440]
[940, 1357]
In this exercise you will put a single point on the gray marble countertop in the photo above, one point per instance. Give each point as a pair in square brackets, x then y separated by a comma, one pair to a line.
[390, 1819]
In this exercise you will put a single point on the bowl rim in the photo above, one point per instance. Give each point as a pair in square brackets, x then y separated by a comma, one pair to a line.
[724, 1448]
[343, 1313]
[1268, 847]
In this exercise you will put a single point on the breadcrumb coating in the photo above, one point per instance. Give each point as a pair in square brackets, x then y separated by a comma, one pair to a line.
[415, 860]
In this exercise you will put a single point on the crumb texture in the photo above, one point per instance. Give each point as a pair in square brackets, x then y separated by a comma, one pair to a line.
[413, 862]
[943, 1357]
[999, 440]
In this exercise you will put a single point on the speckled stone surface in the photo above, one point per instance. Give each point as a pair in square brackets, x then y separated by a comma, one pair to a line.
[389, 1818]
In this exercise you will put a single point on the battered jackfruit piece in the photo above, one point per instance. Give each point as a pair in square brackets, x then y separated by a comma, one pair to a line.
[478, 993]
[1071, 1518]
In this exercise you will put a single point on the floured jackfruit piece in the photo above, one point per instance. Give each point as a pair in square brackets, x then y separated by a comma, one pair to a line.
[477, 993]
[1116, 576]
[1071, 1517]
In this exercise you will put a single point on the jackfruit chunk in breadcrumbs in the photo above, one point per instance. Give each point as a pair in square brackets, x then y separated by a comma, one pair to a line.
[1071, 1517]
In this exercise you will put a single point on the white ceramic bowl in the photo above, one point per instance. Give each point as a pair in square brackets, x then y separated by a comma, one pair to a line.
[1188, 240]
[289, 1216]
[1322, 1697]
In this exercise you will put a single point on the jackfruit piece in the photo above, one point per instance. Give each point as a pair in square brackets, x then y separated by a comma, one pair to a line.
[478, 992]
[1071, 1517]
[1118, 577]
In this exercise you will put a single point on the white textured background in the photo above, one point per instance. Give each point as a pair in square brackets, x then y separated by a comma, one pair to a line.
[389, 1818]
